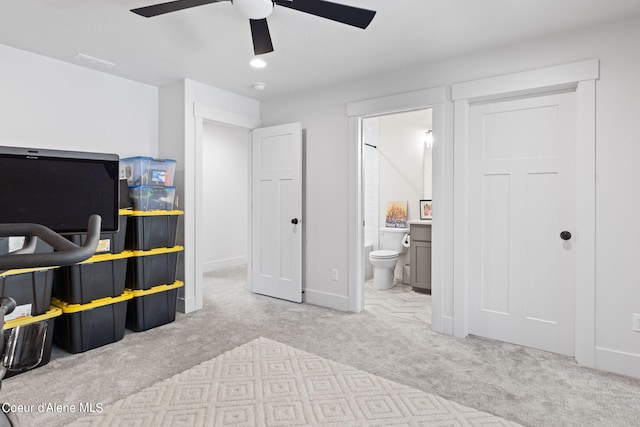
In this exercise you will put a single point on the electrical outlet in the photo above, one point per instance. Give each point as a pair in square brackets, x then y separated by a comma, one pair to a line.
[334, 274]
[636, 322]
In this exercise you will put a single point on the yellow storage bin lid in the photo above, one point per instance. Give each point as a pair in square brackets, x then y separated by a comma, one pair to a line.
[107, 257]
[25, 270]
[156, 213]
[75, 308]
[125, 211]
[157, 251]
[156, 289]
[28, 320]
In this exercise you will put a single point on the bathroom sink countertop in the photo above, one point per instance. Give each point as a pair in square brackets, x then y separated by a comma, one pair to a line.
[420, 221]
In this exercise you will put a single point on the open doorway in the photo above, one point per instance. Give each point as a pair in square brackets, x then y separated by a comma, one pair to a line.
[442, 185]
[225, 196]
[396, 181]
[224, 161]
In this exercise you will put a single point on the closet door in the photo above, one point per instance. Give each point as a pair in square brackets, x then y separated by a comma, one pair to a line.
[523, 209]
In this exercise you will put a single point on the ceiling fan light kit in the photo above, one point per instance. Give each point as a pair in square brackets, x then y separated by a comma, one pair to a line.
[258, 63]
[257, 12]
[253, 9]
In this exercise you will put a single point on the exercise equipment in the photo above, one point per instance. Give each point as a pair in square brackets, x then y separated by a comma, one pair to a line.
[23, 348]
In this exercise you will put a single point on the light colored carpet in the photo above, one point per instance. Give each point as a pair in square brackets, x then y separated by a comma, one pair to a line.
[266, 383]
[531, 387]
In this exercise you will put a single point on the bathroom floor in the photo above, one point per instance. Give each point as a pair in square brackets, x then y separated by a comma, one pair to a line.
[399, 302]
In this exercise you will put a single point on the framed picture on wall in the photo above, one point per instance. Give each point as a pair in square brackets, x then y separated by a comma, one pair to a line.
[425, 209]
[396, 216]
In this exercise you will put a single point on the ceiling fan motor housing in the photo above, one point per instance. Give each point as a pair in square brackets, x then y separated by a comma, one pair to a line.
[257, 11]
[253, 9]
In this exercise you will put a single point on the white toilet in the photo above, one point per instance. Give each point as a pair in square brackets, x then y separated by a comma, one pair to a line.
[384, 260]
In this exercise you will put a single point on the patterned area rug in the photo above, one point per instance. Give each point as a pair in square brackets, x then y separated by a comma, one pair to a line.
[266, 383]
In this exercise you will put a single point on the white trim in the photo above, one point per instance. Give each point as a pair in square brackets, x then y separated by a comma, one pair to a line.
[581, 76]
[355, 217]
[250, 215]
[439, 258]
[618, 362]
[194, 219]
[324, 299]
[549, 78]
[225, 117]
[460, 217]
[400, 102]
[448, 243]
[435, 98]
[191, 300]
[447, 325]
[585, 293]
[196, 257]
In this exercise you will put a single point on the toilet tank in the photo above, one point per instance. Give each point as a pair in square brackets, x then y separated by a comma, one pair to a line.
[391, 239]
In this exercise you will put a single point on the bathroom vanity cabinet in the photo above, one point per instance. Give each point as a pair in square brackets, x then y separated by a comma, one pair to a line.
[420, 256]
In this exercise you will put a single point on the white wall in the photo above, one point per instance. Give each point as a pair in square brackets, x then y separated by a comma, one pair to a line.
[182, 107]
[401, 151]
[323, 114]
[225, 177]
[51, 104]
[46, 103]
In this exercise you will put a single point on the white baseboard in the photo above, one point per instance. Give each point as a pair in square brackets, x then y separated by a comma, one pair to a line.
[186, 305]
[323, 299]
[618, 362]
[444, 325]
[223, 263]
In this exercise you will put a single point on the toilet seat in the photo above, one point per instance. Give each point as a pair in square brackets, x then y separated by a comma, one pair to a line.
[383, 254]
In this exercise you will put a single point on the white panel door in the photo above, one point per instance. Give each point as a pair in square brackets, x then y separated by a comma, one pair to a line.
[276, 240]
[522, 197]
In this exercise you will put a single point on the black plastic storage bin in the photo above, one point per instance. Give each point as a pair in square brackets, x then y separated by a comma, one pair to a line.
[109, 242]
[28, 286]
[101, 276]
[83, 327]
[156, 267]
[29, 349]
[153, 307]
[152, 229]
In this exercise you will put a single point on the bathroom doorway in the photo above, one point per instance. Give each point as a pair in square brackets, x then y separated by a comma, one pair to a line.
[396, 171]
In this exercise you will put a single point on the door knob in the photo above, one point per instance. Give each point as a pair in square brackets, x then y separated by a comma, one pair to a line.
[294, 221]
[565, 235]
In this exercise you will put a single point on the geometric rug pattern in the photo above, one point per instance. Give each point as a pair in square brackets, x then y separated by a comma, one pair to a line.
[266, 383]
[399, 302]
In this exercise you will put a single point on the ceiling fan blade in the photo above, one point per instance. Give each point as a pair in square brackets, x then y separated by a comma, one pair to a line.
[172, 6]
[349, 15]
[261, 36]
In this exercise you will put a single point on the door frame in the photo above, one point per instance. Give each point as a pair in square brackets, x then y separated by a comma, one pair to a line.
[203, 113]
[436, 99]
[580, 76]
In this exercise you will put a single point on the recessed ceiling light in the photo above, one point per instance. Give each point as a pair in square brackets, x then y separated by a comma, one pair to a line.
[258, 63]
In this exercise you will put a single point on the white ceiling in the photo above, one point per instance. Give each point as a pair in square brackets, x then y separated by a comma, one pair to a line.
[212, 43]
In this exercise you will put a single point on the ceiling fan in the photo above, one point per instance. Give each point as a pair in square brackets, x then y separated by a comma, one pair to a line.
[257, 12]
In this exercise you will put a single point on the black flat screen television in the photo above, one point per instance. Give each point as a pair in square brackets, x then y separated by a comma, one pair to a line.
[59, 189]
